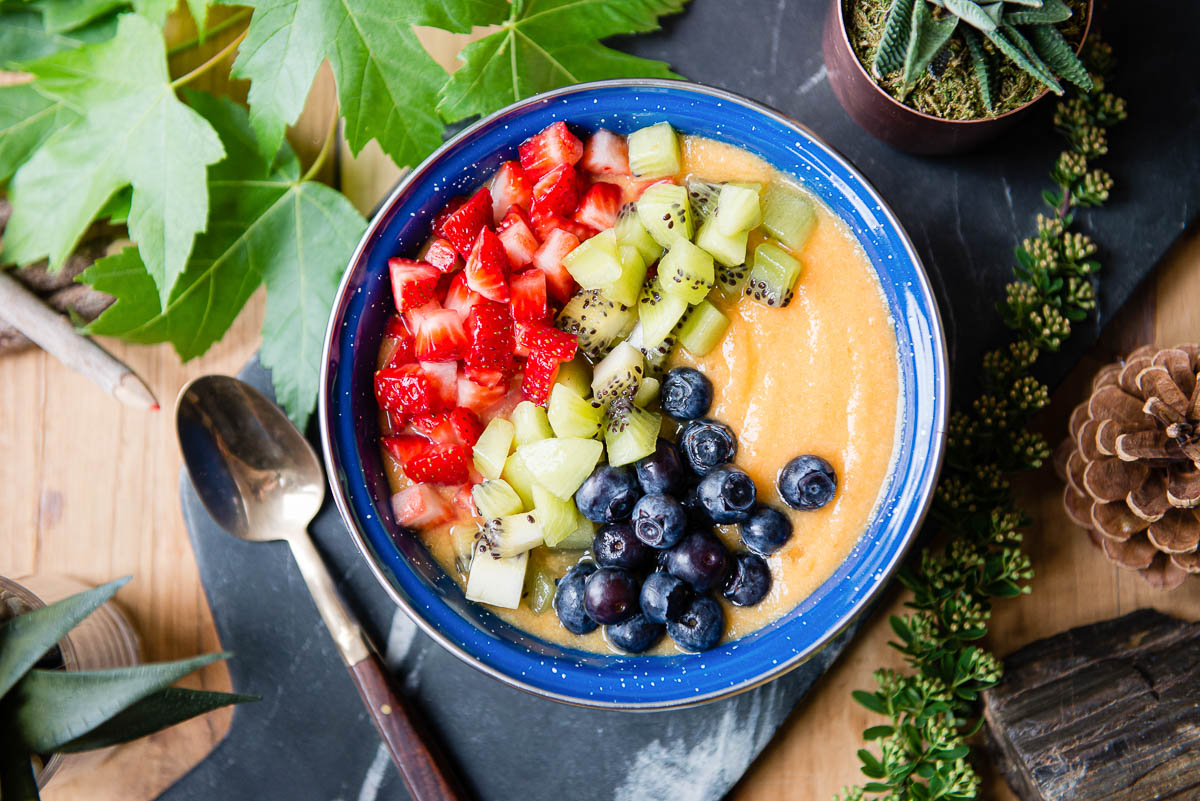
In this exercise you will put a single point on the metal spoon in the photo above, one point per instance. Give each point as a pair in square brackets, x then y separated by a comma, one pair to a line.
[260, 480]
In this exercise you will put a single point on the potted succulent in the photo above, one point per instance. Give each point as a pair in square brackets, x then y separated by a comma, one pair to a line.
[49, 708]
[942, 76]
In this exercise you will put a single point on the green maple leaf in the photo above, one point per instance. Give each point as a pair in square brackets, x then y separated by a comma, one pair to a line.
[132, 131]
[544, 44]
[267, 225]
[27, 118]
[23, 37]
[387, 84]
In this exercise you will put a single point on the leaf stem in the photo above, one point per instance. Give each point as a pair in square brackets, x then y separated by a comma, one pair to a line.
[228, 22]
[323, 154]
[187, 78]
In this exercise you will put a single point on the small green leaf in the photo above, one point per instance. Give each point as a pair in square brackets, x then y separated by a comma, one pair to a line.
[870, 701]
[871, 767]
[893, 42]
[970, 13]
[153, 713]
[876, 732]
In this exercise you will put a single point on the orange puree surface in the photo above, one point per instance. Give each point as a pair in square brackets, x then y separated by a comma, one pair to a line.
[818, 376]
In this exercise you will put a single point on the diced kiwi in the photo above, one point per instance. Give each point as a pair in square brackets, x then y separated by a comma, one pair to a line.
[647, 393]
[539, 588]
[576, 374]
[595, 320]
[561, 464]
[626, 288]
[580, 538]
[658, 313]
[664, 210]
[703, 196]
[630, 231]
[495, 580]
[788, 214]
[725, 250]
[738, 210]
[512, 534]
[492, 447]
[518, 476]
[631, 433]
[496, 498]
[773, 275]
[618, 375]
[557, 516]
[595, 263]
[654, 151]
[686, 271]
[530, 423]
[730, 283]
[463, 537]
[656, 356]
[703, 329]
[571, 415]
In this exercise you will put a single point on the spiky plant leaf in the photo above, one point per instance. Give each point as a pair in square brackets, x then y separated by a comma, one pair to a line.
[1059, 55]
[971, 13]
[1005, 41]
[981, 66]
[49, 708]
[893, 42]
[151, 714]
[26, 638]
[927, 37]
[17, 782]
[1052, 11]
[1026, 3]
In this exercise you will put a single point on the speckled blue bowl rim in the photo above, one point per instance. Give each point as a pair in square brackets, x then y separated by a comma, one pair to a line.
[349, 428]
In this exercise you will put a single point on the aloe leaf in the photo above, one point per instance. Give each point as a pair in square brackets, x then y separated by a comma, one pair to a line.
[153, 713]
[970, 12]
[51, 707]
[1052, 11]
[928, 36]
[981, 66]
[893, 42]
[26, 638]
[1059, 56]
[17, 782]
[1017, 55]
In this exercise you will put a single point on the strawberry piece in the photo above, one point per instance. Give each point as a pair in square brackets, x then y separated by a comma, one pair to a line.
[426, 423]
[599, 206]
[490, 332]
[461, 427]
[485, 376]
[464, 500]
[546, 224]
[605, 153]
[461, 297]
[519, 242]
[397, 337]
[540, 372]
[462, 227]
[413, 317]
[479, 397]
[549, 259]
[510, 188]
[443, 381]
[407, 390]
[542, 339]
[631, 188]
[553, 147]
[487, 267]
[440, 463]
[413, 282]
[529, 296]
[440, 218]
[404, 447]
[441, 254]
[420, 505]
[557, 192]
[441, 337]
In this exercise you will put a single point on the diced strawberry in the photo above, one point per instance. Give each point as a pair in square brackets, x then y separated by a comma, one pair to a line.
[558, 345]
[520, 350]
[631, 188]
[413, 282]
[545, 224]
[519, 242]
[478, 397]
[490, 332]
[408, 390]
[464, 500]
[441, 337]
[599, 206]
[549, 259]
[443, 380]
[485, 376]
[461, 427]
[556, 193]
[510, 187]
[463, 226]
[420, 505]
[397, 337]
[461, 297]
[553, 147]
[540, 371]
[441, 254]
[426, 423]
[487, 267]
[440, 463]
[404, 447]
[529, 296]
[413, 317]
[605, 153]
[440, 218]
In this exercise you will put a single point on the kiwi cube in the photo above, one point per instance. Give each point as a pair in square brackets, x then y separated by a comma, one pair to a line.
[658, 313]
[513, 534]
[731, 281]
[595, 263]
[687, 271]
[726, 249]
[647, 393]
[596, 321]
[618, 375]
[737, 209]
[630, 231]
[577, 375]
[462, 539]
[580, 538]
[530, 423]
[561, 464]
[571, 415]
[539, 588]
[773, 275]
[519, 477]
[492, 447]
[655, 356]
[631, 433]
[654, 151]
[628, 286]
[496, 498]
[558, 517]
[703, 197]
[703, 329]
[496, 580]
[788, 214]
[665, 212]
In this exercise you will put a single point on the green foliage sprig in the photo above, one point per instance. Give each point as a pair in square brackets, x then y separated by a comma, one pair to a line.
[933, 711]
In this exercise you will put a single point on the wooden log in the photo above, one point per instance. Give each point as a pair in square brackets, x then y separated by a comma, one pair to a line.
[1105, 712]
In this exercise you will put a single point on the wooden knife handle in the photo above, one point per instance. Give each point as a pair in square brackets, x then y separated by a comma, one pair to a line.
[426, 773]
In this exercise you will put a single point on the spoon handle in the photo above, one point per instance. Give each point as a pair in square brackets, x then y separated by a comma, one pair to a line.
[426, 773]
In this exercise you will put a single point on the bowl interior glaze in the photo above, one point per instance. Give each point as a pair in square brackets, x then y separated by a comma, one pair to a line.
[350, 432]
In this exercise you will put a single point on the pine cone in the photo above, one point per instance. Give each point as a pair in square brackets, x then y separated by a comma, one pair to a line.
[1132, 463]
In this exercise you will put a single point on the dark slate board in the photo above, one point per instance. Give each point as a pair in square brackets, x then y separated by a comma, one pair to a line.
[308, 737]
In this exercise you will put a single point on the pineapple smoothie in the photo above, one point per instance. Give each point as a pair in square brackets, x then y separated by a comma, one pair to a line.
[791, 349]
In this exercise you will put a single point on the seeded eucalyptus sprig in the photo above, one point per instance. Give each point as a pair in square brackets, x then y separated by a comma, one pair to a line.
[933, 711]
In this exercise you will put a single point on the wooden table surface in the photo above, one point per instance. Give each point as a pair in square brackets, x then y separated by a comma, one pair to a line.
[89, 488]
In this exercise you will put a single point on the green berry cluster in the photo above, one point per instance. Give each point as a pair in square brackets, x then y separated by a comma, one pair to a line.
[924, 750]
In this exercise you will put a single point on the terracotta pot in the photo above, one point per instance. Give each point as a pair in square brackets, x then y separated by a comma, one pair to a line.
[889, 120]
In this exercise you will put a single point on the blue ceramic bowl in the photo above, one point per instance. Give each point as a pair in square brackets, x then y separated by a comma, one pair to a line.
[350, 434]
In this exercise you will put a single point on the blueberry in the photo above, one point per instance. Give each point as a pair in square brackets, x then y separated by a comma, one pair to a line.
[686, 393]
[608, 494]
[707, 444]
[807, 482]
[700, 626]
[766, 530]
[664, 597]
[636, 635]
[568, 599]
[662, 471]
[697, 515]
[659, 521]
[749, 580]
[615, 545]
[610, 595]
[727, 494]
[700, 560]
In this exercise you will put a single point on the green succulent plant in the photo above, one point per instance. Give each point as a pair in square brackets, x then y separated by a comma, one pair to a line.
[43, 712]
[917, 32]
